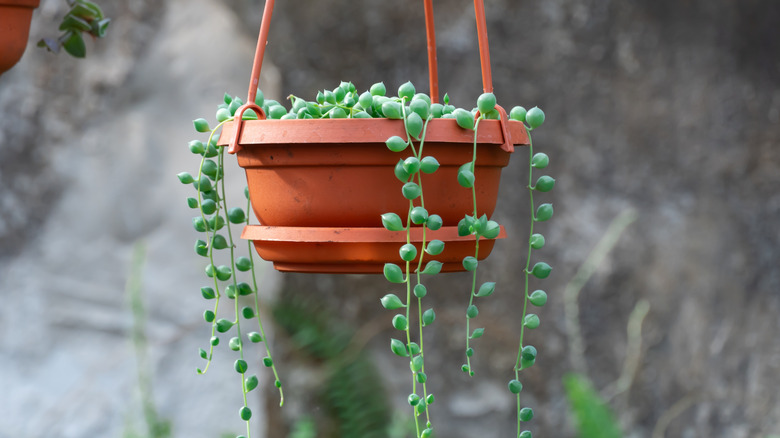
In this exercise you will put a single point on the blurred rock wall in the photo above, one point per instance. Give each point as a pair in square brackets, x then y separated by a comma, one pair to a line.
[671, 109]
[90, 152]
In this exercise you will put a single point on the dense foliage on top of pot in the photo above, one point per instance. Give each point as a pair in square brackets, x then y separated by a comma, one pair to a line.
[345, 101]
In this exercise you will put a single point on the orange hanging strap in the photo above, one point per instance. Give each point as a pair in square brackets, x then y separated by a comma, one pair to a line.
[262, 41]
[433, 70]
[484, 50]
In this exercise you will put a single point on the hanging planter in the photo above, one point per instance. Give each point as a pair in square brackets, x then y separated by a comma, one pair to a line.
[361, 183]
[15, 17]
[308, 177]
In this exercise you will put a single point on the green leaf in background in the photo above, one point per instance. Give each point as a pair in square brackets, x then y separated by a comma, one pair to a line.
[99, 27]
[303, 428]
[593, 417]
[71, 22]
[74, 45]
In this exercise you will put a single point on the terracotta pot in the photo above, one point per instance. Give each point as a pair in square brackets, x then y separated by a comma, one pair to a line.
[319, 186]
[15, 16]
[339, 172]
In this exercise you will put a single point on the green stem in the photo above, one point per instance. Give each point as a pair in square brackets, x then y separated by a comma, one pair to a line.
[407, 330]
[417, 154]
[234, 273]
[476, 248]
[409, 279]
[471, 302]
[209, 238]
[277, 381]
[526, 272]
[420, 261]
[222, 205]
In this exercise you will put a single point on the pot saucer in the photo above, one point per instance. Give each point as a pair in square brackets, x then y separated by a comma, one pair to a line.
[356, 250]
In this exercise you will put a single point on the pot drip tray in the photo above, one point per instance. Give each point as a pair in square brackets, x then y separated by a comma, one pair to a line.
[356, 250]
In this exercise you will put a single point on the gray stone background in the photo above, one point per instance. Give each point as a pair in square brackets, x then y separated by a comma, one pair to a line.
[668, 108]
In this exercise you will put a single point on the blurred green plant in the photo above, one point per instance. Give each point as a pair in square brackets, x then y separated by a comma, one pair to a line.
[401, 426]
[84, 17]
[352, 394]
[156, 427]
[304, 428]
[526, 354]
[593, 417]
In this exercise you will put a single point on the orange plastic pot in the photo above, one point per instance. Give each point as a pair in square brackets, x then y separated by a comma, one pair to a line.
[15, 17]
[319, 186]
[339, 172]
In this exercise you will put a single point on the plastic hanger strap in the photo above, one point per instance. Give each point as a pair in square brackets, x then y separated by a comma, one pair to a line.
[433, 69]
[479, 8]
[262, 41]
[484, 50]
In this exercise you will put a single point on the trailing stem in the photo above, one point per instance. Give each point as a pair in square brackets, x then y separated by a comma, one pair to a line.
[526, 354]
[526, 275]
[471, 264]
[477, 226]
[417, 366]
[215, 214]
[409, 171]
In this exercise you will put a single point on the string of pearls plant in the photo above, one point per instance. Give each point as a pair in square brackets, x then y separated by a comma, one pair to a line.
[416, 110]
[218, 246]
[526, 354]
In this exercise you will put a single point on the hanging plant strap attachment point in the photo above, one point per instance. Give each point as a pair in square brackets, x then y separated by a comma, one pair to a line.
[234, 145]
[508, 145]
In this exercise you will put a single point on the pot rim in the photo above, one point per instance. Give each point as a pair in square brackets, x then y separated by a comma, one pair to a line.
[355, 250]
[376, 130]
